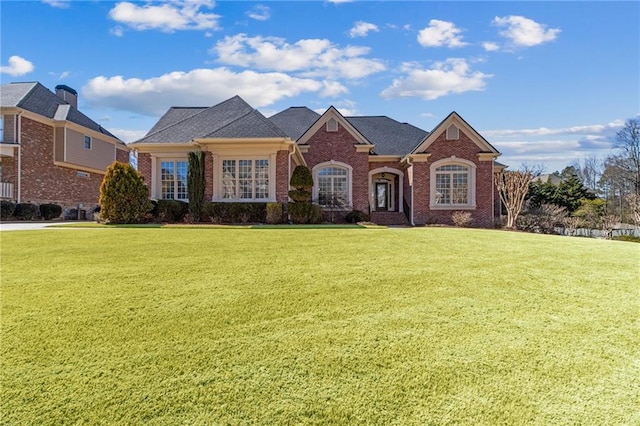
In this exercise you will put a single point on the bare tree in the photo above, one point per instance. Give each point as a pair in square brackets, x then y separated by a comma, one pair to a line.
[634, 205]
[628, 142]
[513, 188]
[589, 170]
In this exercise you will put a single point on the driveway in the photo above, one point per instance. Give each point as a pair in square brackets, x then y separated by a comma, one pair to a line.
[27, 226]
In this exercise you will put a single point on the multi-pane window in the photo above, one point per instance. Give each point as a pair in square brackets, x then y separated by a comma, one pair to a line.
[87, 142]
[1, 128]
[452, 184]
[173, 178]
[245, 179]
[333, 189]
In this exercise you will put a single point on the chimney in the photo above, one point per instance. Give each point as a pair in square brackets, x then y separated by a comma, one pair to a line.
[68, 94]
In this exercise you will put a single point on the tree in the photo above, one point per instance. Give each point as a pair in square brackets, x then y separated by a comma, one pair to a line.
[196, 184]
[124, 198]
[513, 188]
[628, 142]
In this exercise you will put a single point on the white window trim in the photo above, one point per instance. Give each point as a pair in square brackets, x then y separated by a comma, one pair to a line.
[333, 163]
[156, 173]
[332, 125]
[471, 194]
[218, 189]
[399, 176]
[84, 142]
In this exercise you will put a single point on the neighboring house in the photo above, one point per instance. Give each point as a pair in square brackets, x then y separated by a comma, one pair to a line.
[549, 178]
[49, 151]
[397, 172]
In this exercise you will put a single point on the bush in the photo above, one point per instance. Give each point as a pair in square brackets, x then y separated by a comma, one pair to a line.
[50, 211]
[355, 216]
[301, 178]
[543, 218]
[6, 209]
[628, 238]
[124, 198]
[302, 213]
[173, 211]
[462, 219]
[236, 212]
[275, 213]
[196, 184]
[26, 211]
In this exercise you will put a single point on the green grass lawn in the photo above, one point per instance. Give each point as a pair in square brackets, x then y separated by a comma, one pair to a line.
[318, 326]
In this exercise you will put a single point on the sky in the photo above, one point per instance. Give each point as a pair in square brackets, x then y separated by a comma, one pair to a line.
[546, 83]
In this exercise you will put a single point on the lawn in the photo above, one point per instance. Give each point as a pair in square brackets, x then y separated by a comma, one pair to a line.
[317, 326]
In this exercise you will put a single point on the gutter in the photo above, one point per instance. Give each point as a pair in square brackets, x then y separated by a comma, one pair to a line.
[408, 158]
[19, 140]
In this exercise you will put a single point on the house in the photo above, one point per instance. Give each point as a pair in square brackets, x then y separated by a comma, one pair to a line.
[49, 151]
[398, 173]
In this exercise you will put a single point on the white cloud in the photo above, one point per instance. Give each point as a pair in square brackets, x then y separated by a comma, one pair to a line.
[441, 33]
[128, 135]
[17, 66]
[310, 57]
[60, 76]
[340, 1]
[331, 89]
[490, 46]
[524, 32]
[361, 29]
[259, 13]
[590, 129]
[62, 4]
[452, 76]
[207, 87]
[167, 17]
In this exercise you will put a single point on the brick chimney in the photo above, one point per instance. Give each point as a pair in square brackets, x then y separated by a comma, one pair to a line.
[68, 94]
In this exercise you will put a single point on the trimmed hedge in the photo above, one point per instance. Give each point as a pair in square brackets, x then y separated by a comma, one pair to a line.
[302, 213]
[6, 209]
[26, 211]
[236, 212]
[355, 216]
[50, 211]
[171, 210]
[275, 213]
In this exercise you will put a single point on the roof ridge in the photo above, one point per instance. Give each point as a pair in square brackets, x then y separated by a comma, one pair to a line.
[253, 111]
[179, 121]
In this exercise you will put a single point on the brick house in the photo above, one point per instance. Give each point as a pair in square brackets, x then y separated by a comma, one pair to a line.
[49, 151]
[396, 172]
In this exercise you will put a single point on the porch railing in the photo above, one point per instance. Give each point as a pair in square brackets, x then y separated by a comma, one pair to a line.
[6, 190]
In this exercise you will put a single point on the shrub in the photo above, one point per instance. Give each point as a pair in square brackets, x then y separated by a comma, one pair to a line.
[124, 198]
[628, 238]
[543, 218]
[50, 211]
[301, 178]
[302, 213]
[355, 216]
[196, 184]
[274, 213]
[173, 211]
[462, 219]
[236, 212]
[26, 211]
[6, 209]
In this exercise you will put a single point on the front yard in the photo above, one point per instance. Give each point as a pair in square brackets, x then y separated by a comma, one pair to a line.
[317, 326]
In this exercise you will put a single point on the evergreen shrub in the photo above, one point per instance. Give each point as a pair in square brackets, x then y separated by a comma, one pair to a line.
[26, 211]
[274, 214]
[50, 211]
[355, 216]
[236, 212]
[305, 213]
[172, 211]
[6, 209]
[124, 197]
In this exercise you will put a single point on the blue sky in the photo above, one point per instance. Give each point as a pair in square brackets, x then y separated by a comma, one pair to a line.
[547, 83]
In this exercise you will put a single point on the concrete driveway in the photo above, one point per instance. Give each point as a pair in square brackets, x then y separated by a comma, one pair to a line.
[27, 226]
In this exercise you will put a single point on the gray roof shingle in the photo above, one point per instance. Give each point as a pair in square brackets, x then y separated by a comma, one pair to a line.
[389, 136]
[38, 99]
[295, 120]
[233, 118]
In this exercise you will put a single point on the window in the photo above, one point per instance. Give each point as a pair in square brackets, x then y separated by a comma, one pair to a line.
[452, 184]
[1, 128]
[453, 133]
[245, 179]
[333, 186]
[173, 180]
[332, 125]
[87, 142]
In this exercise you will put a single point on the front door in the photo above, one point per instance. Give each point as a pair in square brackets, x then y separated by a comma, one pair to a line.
[382, 196]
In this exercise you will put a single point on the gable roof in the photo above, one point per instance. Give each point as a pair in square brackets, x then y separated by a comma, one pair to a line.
[233, 118]
[36, 98]
[330, 113]
[455, 118]
[389, 136]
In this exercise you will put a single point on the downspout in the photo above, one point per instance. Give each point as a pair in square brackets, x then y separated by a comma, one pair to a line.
[19, 140]
[411, 185]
